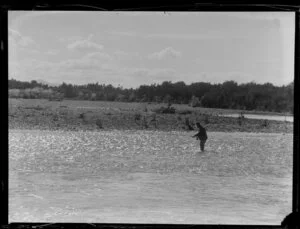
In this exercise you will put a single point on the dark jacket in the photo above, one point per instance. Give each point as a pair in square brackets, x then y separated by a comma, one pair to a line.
[202, 135]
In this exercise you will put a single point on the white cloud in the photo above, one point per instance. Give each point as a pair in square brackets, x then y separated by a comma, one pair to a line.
[14, 33]
[134, 77]
[17, 39]
[192, 36]
[119, 54]
[123, 33]
[52, 52]
[79, 64]
[84, 44]
[89, 62]
[98, 56]
[215, 35]
[149, 73]
[168, 52]
[69, 39]
[13, 69]
[26, 41]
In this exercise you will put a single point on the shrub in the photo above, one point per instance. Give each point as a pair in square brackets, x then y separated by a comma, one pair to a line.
[165, 110]
[153, 119]
[99, 123]
[184, 112]
[145, 122]
[265, 123]
[81, 115]
[137, 117]
[241, 119]
[206, 119]
[195, 102]
[187, 123]
[14, 93]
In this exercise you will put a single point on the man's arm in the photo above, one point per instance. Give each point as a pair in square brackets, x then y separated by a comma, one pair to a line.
[196, 135]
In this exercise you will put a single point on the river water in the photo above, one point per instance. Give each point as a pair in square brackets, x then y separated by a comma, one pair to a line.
[287, 118]
[149, 177]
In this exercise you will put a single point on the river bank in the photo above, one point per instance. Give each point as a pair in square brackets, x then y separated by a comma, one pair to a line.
[96, 116]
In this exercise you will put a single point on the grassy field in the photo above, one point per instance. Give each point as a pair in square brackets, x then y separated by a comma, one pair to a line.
[98, 115]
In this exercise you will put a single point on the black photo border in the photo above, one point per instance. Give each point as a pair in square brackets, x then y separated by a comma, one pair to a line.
[290, 221]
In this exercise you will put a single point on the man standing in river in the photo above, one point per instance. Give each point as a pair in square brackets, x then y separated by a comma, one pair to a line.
[201, 135]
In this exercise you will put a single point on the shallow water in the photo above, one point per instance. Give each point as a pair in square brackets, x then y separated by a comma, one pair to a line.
[149, 177]
[263, 117]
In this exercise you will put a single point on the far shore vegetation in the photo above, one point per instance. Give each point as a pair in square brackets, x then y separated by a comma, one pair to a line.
[227, 95]
[166, 107]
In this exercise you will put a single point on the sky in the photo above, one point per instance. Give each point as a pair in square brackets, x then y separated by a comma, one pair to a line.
[130, 49]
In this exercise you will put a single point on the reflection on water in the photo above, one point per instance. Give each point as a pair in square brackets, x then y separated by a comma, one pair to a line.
[149, 177]
[263, 117]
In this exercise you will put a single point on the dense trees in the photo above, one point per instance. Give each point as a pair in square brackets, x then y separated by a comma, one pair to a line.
[229, 94]
[15, 84]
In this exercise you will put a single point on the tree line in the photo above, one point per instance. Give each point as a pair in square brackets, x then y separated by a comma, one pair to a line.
[229, 94]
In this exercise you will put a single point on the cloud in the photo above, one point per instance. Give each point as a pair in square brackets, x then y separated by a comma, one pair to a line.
[192, 36]
[134, 77]
[92, 67]
[79, 64]
[124, 33]
[14, 33]
[52, 52]
[90, 62]
[84, 44]
[13, 69]
[215, 35]
[69, 39]
[17, 39]
[168, 52]
[35, 64]
[119, 54]
[150, 73]
[98, 56]
[26, 41]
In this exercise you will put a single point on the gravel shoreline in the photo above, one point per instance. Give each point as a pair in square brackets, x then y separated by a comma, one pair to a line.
[45, 116]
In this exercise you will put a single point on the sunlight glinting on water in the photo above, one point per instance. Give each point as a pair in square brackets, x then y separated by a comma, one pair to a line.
[127, 176]
[150, 150]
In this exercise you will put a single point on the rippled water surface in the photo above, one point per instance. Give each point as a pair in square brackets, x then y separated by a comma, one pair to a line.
[149, 177]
